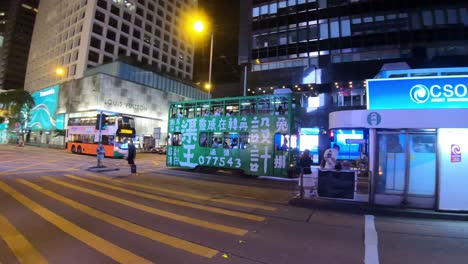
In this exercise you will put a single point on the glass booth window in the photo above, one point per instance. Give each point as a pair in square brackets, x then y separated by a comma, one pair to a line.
[349, 141]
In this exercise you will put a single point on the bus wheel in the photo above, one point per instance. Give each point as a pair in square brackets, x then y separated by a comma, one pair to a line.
[73, 150]
[79, 150]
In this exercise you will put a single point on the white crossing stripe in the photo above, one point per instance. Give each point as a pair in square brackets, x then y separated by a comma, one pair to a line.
[371, 255]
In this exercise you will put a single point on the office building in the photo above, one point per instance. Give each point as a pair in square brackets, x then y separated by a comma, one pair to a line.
[16, 26]
[81, 34]
[333, 46]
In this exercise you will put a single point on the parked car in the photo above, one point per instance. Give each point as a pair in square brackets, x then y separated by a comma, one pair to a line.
[159, 149]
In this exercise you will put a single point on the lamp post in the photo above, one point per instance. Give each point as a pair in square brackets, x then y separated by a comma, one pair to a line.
[211, 65]
[199, 27]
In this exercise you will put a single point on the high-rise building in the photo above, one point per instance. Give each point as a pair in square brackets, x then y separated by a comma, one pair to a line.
[335, 45]
[16, 27]
[76, 35]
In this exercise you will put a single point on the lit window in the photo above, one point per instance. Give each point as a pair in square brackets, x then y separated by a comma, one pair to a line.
[255, 12]
[273, 8]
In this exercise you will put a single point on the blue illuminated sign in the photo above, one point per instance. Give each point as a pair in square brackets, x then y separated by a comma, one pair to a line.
[43, 115]
[418, 93]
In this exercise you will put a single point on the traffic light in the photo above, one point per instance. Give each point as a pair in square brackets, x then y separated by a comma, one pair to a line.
[331, 135]
[101, 119]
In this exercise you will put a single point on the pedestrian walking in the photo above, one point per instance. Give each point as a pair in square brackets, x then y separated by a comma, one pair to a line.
[131, 155]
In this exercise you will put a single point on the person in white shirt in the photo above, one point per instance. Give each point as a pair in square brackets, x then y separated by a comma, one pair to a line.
[330, 156]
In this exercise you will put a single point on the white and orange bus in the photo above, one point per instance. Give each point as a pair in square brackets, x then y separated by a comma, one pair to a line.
[82, 135]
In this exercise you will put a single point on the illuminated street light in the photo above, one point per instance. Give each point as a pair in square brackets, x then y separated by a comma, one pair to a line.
[59, 71]
[199, 26]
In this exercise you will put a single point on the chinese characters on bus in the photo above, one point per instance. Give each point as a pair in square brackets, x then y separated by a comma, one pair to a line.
[254, 140]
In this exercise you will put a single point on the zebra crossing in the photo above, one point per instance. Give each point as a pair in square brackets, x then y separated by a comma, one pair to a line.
[83, 207]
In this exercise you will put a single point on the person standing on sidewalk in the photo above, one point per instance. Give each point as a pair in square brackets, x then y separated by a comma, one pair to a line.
[330, 156]
[305, 161]
[100, 151]
[131, 155]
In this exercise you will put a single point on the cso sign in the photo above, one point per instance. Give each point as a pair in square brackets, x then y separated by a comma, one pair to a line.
[418, 93]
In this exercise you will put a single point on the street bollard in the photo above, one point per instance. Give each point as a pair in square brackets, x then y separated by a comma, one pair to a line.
[301, 191]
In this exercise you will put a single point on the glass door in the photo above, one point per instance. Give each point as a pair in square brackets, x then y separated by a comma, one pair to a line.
[406, 168]
[422, 164]
[391, 163]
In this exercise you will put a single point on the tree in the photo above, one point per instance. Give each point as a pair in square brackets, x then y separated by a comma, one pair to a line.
[13, 102]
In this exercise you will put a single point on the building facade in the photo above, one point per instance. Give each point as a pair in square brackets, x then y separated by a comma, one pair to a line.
[332, 46]
[114, 88]
[79, 35]
[16, 26]
[413, 161]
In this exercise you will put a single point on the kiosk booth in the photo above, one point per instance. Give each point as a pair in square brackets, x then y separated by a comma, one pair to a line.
[418, 140]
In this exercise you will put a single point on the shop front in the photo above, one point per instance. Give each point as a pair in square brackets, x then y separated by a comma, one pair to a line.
[85, 97]
[417, 139]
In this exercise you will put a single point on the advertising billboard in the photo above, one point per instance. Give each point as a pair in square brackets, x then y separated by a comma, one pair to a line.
[43, 115]
[418, 93]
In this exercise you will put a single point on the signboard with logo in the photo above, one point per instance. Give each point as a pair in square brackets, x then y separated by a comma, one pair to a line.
[43, 115]
[437, 92]
[455, 153]
[374, 119]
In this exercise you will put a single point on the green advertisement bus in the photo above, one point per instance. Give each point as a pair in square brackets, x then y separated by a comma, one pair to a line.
[255, 134]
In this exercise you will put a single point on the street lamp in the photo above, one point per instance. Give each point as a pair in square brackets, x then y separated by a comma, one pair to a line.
[199, 27]
[59, 71]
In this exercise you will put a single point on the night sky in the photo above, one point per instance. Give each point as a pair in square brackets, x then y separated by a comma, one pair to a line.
[225, 16]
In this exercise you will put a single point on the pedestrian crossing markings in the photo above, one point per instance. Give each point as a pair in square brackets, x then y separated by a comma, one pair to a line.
[26, 253]
[109, 249]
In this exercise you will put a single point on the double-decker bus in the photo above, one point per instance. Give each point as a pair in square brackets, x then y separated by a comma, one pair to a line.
[255, 134]
[83, 137]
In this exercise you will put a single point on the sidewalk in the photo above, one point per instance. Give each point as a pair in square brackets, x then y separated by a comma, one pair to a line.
[365, 208]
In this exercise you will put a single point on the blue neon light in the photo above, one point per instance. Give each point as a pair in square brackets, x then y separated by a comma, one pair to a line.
[418, 93]
[424, 72]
